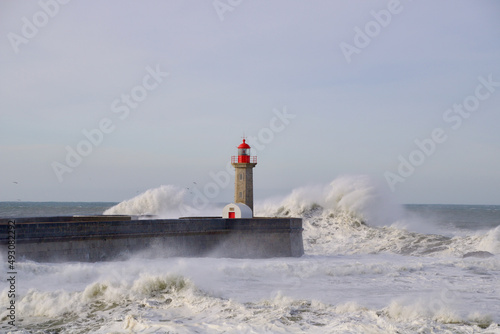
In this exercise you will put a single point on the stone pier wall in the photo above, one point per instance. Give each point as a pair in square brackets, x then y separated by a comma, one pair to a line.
[100, 238]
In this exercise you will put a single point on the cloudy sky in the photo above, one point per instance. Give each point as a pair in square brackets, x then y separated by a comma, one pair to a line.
[102, 100]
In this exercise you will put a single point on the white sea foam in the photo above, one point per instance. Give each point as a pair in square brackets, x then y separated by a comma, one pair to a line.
[152, 296]
[371, 293]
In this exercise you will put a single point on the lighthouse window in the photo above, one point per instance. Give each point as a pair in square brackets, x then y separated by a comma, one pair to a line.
[241, 194]
[241, 176]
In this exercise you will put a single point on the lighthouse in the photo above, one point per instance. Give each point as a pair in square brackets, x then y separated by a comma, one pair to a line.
[243, 182]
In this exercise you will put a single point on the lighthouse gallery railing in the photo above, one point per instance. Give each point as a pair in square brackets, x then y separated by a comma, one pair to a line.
[243, 159]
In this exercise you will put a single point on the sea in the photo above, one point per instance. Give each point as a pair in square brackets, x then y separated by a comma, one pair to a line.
[371, 265]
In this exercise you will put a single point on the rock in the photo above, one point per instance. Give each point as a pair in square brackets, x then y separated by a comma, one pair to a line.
[482, 254]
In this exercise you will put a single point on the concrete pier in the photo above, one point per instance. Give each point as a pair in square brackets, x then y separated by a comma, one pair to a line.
[101, 238]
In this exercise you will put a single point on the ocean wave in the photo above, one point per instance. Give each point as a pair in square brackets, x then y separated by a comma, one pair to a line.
[315, 293]
[172, 303]
[166, 201]
[353, 215]
[90, 308]
[340, 232]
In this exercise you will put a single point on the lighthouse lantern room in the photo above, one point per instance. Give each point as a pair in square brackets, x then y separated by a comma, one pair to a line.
[243, 184]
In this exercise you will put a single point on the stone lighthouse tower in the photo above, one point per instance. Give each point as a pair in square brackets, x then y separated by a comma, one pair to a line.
[243, 184]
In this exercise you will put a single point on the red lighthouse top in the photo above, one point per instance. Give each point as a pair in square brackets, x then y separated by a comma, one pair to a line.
[244, 145]
[244, 154]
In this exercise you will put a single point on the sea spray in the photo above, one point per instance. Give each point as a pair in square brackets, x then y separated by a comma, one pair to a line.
[166, 201]
[355, 215]
[163, 200]
[356, 195]
[491, 241]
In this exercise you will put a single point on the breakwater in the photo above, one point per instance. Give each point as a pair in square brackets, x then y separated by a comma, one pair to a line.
[101, 238]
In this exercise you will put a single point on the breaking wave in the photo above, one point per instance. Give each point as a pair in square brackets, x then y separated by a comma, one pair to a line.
[354, 215]
[166, 201]
[162, 303]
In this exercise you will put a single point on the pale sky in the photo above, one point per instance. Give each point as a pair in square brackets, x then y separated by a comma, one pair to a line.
[328, 88]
